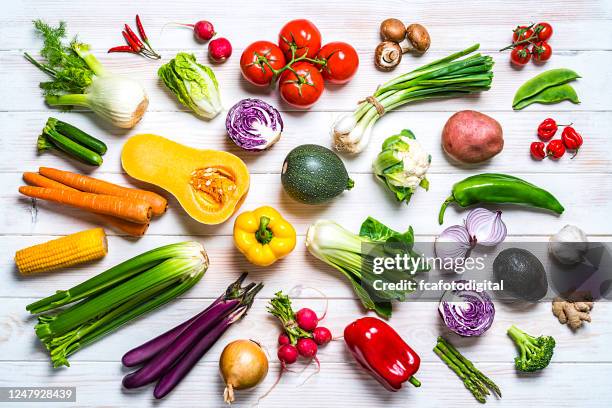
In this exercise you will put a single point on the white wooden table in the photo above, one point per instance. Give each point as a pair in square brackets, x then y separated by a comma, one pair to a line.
[582, 41]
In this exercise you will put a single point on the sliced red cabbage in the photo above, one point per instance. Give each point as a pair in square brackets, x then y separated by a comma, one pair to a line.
[254, 124]
[466, 312]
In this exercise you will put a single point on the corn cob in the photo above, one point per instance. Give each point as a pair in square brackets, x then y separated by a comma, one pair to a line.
[62, 252]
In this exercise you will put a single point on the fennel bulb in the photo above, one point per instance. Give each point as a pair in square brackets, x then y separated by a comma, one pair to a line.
[80, 80]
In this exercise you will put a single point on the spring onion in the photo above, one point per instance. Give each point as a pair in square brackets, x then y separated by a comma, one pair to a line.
[80, 80]
[444, 78]
[354, 256]
[116, 296]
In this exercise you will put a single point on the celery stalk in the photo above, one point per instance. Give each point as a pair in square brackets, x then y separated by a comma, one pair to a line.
[117, 296]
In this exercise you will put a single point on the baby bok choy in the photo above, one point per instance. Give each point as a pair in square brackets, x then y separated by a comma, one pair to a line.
[445, 78]
[78, 79]
[170, 356]
[356, 257]
[116, 296]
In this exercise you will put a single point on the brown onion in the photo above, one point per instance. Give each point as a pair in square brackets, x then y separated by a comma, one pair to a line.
[243, 364]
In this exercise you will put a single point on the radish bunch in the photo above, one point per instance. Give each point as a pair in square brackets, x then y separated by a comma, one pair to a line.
[302, 334]
[219, 49]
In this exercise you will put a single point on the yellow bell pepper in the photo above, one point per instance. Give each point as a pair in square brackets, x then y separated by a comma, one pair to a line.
[263, 236]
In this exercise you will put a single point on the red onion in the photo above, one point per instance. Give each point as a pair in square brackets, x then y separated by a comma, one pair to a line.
[486, 227]
[453, 243]
[466, 312]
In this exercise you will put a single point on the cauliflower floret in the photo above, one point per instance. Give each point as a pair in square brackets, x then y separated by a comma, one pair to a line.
[416, 163]
[402, 165]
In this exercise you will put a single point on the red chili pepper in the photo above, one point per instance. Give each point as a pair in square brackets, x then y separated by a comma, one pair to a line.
[571, 139]
[382, 352]
[133, 36]
[121, 48]
[537, 150]
[129, 40]
[547, 129]
[555, 148]
[141, 30]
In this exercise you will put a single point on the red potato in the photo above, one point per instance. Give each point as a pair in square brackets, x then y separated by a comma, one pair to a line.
[472, 137]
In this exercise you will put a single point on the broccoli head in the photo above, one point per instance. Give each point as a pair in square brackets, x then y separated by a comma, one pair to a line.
[535, 352]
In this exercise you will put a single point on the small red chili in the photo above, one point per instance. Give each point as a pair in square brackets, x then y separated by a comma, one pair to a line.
[121, 48]
[131, 42]
[571, 139]
[141, 29]
[547, 129]
[537, 150]
[555, 149]
[133, 36]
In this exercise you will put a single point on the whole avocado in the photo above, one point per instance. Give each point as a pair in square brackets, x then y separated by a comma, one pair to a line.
[522, 272]
[313, 174]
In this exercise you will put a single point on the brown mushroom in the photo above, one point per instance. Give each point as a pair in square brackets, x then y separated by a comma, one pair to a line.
[418, 39]
[392, 29]
[388, 55]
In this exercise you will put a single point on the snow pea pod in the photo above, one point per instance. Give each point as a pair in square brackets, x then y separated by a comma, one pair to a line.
[499, 189]
[554, 94]
[542, 81]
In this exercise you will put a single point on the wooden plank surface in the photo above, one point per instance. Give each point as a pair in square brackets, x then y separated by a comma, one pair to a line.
[582, 365]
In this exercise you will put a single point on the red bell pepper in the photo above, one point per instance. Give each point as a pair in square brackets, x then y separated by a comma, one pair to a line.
[382, 352]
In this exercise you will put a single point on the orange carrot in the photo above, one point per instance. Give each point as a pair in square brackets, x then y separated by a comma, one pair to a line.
[126, 208]
[128, 227]
[92, 185]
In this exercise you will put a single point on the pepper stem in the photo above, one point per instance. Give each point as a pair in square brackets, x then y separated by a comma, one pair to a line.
[445, 204]
[263, 234]
[414, 381]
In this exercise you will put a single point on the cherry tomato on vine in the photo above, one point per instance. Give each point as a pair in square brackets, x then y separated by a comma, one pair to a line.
[521, 33]
[520, 55]
[545, 31]
[253, 66]
[341, 62]
[305, 88]
[541, 51]
[302, 35]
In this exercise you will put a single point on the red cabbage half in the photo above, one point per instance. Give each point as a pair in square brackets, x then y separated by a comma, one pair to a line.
[466, 312]
[254, 124]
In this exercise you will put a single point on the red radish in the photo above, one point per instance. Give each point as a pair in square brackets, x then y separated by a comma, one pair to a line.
[219, 49]
[287, 354]
[283, 339]
[321, 335]
[307, 319]
[202, 30]
[307, 347]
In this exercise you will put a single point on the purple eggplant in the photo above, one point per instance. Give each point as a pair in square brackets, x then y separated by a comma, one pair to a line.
[161, 362]
[149, 349]
[174, 376]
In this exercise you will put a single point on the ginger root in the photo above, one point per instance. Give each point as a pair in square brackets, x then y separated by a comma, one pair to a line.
[572, 311]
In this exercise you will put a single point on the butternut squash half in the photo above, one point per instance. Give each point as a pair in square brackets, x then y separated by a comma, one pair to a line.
[209, 184]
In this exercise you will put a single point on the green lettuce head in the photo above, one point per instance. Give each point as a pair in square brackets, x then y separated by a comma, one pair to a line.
[195, 85]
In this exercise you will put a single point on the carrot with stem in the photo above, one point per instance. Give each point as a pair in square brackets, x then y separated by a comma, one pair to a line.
[92, 185]
[131, 228]
[126, 208]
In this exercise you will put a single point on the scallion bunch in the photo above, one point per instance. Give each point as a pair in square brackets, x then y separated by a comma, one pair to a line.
[445, 78]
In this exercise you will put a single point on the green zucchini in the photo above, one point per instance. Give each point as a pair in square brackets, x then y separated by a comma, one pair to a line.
[313, 174]
[69, 146]
[77, 135]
